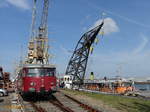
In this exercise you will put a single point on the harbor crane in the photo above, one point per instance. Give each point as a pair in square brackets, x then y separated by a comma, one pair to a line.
[78, 62]
[38, 45]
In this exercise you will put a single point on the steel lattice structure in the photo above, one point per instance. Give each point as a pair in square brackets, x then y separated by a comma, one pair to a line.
[42, 38]
[78, 62]
[38, 45]
[44, 20]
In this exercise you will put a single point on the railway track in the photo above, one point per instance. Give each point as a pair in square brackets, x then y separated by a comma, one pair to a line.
[61, 106]
[41, 106]
[58, 102]
[37, 108]
[85, 106]
[28, 106]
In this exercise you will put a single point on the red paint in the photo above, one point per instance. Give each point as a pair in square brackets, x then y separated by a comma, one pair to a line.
[47, 82]
[40, 79]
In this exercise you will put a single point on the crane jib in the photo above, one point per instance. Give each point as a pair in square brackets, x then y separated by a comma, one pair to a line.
[78, 62]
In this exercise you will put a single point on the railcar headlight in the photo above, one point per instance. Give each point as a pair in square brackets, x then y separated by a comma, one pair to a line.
[52, 83]
[32, 84]
[53, 88]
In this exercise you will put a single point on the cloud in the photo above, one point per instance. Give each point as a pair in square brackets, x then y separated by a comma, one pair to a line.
[19, 3]
[128, 19]
[109, 27]
[3, 4]
[97, 7]
[142, 45]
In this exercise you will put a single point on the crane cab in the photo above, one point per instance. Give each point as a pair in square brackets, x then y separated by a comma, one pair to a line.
[67, 79]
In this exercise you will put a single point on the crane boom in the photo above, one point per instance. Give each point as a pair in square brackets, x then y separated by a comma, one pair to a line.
[31, 46]
[32, 35]
[42, 38]
[44, 18]
[78, 62]
[43, 26]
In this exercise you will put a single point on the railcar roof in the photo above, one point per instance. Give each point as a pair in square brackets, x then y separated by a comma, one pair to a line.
[39, 65]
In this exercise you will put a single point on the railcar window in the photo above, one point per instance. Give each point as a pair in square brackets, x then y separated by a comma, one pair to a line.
[41, 72]
[68, 79]
[49, 72]
[33, 72]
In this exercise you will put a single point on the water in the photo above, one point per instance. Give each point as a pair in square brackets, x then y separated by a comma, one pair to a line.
[143, 87]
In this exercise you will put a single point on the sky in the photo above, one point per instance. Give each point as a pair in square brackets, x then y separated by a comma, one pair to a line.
[123, 49]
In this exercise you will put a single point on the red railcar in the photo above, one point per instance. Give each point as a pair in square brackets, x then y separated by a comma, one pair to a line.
[37, 79]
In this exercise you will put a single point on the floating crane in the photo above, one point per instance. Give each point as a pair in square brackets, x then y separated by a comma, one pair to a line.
[38, 45]
[78, 62]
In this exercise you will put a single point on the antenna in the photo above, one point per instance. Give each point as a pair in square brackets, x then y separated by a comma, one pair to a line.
[103, 16]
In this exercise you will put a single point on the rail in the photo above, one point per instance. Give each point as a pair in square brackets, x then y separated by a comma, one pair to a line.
[58, 104]
[86, 107]
[38, 109]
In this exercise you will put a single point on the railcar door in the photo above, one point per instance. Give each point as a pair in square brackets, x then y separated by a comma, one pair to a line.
[49, 78]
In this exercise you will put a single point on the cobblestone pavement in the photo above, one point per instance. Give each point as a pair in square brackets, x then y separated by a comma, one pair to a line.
[5, 105]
